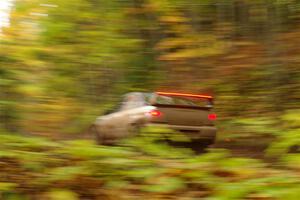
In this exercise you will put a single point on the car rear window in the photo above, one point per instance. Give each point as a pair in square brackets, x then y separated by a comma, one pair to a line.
[180, 101]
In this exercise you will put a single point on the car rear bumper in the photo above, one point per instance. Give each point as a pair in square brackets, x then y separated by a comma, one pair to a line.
[194, 132]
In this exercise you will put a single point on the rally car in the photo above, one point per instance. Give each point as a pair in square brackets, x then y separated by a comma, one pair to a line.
[190, 114]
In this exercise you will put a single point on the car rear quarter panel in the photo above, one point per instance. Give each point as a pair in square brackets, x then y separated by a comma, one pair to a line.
[118, 124]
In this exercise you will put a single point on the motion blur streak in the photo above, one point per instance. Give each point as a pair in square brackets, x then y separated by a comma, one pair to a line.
[65, 62]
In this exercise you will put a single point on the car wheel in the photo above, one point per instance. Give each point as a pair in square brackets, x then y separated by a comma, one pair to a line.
[134, 129]
[200, 145]
[101, 139]
[97, 135]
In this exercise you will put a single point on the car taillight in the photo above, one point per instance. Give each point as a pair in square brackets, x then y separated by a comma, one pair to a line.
[212, 116]
[155, 113]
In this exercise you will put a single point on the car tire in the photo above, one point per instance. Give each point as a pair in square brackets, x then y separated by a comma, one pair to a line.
[134, 129]
[101, 139]
[200, 145]
[97, 135]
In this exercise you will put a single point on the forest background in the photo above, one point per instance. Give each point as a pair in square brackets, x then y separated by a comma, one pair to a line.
[62, 63]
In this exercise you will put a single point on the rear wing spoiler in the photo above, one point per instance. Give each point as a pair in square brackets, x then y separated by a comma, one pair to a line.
[200, 96]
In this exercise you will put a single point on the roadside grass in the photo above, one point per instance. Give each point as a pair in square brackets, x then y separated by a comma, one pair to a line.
[139, 168]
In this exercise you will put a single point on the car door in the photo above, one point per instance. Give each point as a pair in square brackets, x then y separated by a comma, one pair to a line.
[114, 124]
[106, 123]
[124, 119]
[117, 124]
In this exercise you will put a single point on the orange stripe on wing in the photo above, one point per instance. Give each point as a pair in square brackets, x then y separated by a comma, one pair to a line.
[185, 95]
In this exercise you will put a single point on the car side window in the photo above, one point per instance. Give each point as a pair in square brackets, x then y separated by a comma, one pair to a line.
[133, 100]
[113, 109]
[118, 107]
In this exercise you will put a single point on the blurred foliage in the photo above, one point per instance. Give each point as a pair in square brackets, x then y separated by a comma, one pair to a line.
[62, 63]
[83, 170]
